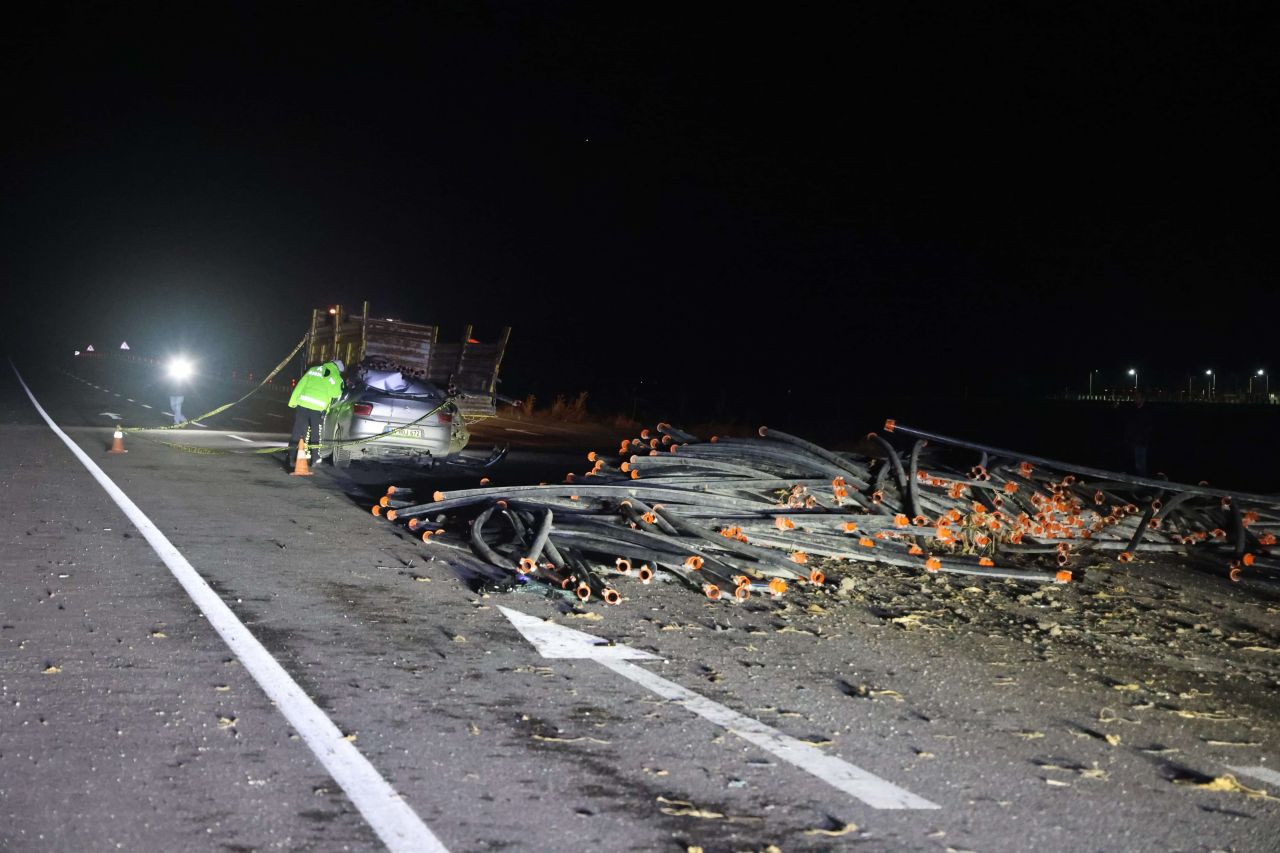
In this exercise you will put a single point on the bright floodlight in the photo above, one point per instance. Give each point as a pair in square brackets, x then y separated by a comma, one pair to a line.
[1259, 372]
[180, 368]
[1208, 373]
[1132, 371]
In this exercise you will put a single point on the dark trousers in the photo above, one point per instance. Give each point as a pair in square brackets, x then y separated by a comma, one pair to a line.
[305, 420]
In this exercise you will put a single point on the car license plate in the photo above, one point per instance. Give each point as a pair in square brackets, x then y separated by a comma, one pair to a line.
[407, 432]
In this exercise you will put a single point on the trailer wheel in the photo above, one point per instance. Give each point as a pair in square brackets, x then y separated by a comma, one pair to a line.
[341, 454]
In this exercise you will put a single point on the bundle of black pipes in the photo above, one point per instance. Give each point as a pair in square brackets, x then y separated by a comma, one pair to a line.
[737, 516]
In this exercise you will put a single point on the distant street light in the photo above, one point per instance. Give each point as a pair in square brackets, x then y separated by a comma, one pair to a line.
[1266, 382]
[1212, 384]
[1134, 374]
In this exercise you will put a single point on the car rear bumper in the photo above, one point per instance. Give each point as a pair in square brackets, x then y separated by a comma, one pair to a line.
[430, 441]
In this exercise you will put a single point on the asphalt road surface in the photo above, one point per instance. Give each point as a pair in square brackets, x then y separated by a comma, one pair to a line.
[247, 660]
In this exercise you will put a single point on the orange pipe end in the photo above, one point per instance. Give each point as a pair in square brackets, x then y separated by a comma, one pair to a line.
[986, 561]
[384, 500]
[391, 515]
[742, 593]
[1063, 576]
[582, 591]
[693, 562]
[438, 495]
[799, 557]
[610, 596]
[817, 577]
[623, 565]
[711, 590]
[933, 564]
[376, 509]
[890, 425]
[777, 586]
[644, 573]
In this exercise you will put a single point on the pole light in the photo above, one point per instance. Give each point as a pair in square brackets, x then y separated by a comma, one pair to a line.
[1134, 373]
[1091, 372]
[1266, 382]
[1212, 377]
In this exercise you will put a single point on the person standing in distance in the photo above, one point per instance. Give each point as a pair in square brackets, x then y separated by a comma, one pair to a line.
[177, 380]
[311, 398]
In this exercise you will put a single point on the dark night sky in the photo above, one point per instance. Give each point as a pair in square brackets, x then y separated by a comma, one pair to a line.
[879, 194]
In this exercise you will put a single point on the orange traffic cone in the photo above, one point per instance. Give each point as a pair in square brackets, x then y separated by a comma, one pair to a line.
[302, 468]
[117, 443]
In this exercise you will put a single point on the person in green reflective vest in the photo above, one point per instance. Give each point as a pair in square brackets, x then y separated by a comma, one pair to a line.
[311, 398]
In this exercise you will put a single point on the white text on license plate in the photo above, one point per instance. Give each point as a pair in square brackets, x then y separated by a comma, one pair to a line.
[407, 432]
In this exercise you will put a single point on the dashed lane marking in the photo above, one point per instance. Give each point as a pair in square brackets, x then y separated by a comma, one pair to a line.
[144, 405]
[391, 818]
[1266, 774]
[556, 641]
[238, 438]
[524, 431]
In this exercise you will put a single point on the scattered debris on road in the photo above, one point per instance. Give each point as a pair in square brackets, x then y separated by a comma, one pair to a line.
[734, 517]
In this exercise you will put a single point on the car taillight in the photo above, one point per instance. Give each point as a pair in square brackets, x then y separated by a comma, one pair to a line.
[444, 418]
[362, 409]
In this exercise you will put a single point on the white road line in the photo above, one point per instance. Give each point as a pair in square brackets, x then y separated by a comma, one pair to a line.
[197, 423]
[556, 641]
[144, 405]
[836, 772]
[131, 400]
[525, 431]
[163, 412]
[391, 818]
[1266, 774]
[238, 438]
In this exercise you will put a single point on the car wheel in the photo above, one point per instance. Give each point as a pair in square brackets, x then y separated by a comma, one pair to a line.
[341, 454]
